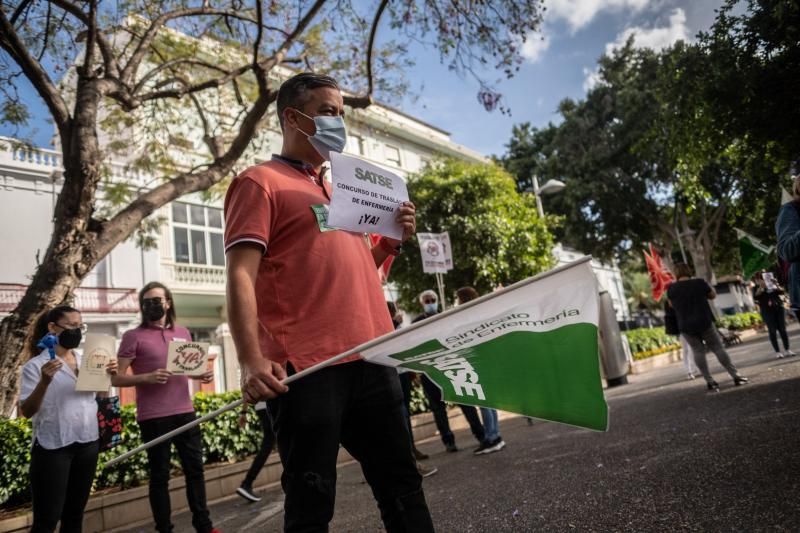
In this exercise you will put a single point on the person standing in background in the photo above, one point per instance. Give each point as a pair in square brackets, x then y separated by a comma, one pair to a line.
[430, 307]
[245, 490]
[767, 294]
[492, 441]
[163, 403]
[787, 228]
[407, 380]
[689, 297]
[65, 442]
[671, 328]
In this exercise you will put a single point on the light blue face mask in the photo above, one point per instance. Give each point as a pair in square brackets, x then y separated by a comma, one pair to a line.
[331, 135]
[431, 309]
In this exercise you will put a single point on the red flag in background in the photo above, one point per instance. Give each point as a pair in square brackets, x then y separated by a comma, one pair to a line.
[660, 278]
[383, 271]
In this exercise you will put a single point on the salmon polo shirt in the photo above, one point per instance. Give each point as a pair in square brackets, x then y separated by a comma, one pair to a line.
[318, 290]
[148, 346]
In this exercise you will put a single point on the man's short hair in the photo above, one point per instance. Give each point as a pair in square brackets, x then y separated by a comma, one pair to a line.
[465, 294]
[294, 91]
[428, 292]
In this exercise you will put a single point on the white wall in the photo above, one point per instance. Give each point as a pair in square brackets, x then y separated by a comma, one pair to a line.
[26, 222]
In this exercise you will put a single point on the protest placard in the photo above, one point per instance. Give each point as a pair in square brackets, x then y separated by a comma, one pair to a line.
[97, 352]
[365, 198]
[188, 358]
[436, 252]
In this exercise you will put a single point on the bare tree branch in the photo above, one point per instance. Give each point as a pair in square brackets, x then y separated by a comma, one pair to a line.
[171, 64]
[120, 226]
[212, 141]
[109, 61]
[139, 53]
[371, 46]
[91, 39]
[17, 12]
[11, 43]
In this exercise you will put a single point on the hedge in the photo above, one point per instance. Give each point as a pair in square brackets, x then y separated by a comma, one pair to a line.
[649, 340]
[223, 441]
[740, 321]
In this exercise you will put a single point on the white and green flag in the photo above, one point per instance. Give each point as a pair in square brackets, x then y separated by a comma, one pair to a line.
[531, 349]
[755, 254]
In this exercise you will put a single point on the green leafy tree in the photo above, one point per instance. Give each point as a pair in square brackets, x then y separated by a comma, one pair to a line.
[653, 154]
[186, 86]
[496, 233]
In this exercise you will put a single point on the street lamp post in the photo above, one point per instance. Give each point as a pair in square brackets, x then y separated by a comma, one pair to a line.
[552, 186]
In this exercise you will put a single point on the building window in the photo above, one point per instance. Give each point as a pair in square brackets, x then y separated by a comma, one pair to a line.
[392, 155]
[355, 144]
[197, 234]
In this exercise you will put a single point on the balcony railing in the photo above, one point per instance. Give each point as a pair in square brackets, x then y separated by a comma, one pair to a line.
[86, 299]
[200, 278]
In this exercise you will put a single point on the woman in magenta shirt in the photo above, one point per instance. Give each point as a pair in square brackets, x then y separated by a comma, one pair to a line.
[163, 403]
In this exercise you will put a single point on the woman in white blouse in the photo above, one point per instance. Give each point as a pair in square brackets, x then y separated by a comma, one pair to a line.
[65, 432]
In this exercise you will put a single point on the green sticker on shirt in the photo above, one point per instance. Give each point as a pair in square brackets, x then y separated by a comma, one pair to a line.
[321, 214]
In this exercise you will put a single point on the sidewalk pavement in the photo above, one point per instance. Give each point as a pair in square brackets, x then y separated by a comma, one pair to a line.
[674, 458]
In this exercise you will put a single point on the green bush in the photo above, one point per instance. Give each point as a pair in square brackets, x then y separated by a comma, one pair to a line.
[15, 456]
[223, 441]
[649, 340]
[419, 402]
[740, 321]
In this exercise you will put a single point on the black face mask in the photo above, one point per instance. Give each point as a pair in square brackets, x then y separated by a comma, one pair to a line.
[70, 338]
[153, 312]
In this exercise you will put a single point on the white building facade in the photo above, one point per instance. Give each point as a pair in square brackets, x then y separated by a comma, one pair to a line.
[189, 255]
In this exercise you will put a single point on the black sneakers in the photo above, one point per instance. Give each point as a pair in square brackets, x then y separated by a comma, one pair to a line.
[713, 386]
[246, 492]
[451, 447]
[740, 380]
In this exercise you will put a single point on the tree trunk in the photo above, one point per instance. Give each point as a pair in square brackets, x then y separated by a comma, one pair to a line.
[70, 254]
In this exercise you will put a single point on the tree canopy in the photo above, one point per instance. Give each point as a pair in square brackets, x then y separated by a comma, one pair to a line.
[496, 233]
[676, 147]
[181, 89]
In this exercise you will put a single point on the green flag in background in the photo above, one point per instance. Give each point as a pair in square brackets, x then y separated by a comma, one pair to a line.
[755, 255]
[530, 349]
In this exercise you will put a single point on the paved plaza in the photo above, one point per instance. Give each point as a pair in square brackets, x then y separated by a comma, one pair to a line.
[675, 458]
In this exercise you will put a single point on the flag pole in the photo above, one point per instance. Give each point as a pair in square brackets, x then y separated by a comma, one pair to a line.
[232, 405]
[358, 349]
[440, 283]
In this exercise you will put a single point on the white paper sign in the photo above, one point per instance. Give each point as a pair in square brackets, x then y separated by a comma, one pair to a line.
[437, 255]
[97, 352]
[188, 358]
[366, 197]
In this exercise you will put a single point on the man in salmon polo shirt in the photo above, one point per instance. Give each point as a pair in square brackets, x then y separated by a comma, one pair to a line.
[299, 293]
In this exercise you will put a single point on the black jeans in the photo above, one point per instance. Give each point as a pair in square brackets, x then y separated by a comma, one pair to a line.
[775, 319]
[359, 405]
[439, 409]
[267, 440]
[61, 480]
[190, 452]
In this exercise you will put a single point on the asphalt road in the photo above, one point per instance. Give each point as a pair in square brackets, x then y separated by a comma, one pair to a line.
[675, 458]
